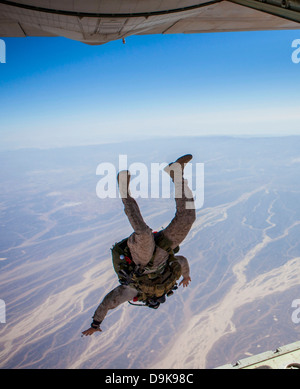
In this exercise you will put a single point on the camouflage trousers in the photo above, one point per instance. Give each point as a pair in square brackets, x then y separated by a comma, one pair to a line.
[141, 241]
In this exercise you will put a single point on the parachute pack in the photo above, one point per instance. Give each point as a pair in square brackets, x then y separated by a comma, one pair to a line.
[153, 287]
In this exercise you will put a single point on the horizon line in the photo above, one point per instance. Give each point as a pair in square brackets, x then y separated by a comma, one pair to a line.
[151, 138]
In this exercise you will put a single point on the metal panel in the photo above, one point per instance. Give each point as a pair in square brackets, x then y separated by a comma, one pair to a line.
[285, 357]
[286, 9]
[81, 21]
[10, 28]
[229, 17]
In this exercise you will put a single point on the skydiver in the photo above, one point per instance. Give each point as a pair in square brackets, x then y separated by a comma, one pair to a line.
[150, 256]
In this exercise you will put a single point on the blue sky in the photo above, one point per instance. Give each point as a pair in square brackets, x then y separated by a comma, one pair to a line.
[58, 92]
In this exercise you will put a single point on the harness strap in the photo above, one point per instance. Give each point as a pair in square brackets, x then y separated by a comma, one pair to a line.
[155, 284]
[164, 243]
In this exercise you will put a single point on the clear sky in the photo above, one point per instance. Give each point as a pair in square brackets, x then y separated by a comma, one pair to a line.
[59, 92]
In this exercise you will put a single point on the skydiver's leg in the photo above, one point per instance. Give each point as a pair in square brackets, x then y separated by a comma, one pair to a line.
[185, 214]
[141, 242]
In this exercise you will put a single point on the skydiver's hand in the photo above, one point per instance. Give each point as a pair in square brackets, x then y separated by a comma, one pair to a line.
[90, 331]
[185, 281]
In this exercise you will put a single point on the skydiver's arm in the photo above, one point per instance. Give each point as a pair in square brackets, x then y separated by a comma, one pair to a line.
[114, 298]
[185, 270]
[117, 296]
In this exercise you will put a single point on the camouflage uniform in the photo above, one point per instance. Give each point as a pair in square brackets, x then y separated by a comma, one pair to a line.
[141, 242]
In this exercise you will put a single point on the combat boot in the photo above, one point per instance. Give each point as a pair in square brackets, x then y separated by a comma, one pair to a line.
[123, 182]
[178, 166]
